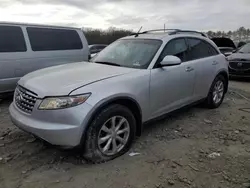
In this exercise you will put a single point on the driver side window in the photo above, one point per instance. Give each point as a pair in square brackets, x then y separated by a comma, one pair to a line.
[176, 47]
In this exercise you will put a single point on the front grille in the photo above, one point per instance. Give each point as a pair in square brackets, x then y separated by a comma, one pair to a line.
[24, 99]
[239, 65]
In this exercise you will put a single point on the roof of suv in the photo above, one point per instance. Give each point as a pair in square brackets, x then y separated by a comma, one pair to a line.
[161, 34]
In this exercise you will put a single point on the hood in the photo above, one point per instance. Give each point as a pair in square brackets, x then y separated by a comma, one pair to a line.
[239, 56]
[61, 80]
[223, 42]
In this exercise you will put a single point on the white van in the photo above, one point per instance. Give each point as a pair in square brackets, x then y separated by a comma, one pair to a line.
[27, 47]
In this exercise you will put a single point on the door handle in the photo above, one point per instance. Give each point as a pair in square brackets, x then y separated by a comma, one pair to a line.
[215, 63]
[189, 69]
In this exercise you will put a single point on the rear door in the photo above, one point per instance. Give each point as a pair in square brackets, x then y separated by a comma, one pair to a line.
[204, 59]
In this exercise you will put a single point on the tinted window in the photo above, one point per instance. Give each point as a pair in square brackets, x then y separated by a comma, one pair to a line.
[12, 39]
[176, 47]
[200, 49]
[43, 39]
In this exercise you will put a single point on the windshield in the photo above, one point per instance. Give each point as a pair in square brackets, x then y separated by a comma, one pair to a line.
[133, 53]
[245, 49]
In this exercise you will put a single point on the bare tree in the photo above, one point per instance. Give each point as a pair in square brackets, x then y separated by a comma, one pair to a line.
[98, 36]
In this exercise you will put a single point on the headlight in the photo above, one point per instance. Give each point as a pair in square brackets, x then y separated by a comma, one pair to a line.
[53, 103]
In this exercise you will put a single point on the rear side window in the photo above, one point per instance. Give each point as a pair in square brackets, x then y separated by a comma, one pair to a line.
[200, 49]
[45, 39]
[12, 39]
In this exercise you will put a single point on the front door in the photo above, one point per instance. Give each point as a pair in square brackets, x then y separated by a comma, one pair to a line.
[172, 87]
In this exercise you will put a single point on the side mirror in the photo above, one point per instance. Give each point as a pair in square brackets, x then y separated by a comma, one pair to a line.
[170, 60]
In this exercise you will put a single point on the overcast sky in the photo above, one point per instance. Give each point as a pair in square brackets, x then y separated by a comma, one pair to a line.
[131, 14]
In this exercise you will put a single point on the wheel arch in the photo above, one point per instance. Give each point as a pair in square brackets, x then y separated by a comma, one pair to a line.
[128, 102]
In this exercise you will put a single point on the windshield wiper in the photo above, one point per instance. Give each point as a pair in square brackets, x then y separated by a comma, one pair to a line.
[107, 63]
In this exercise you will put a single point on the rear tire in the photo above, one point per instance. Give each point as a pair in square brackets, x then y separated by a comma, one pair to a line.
[110, 134]
[216, 93]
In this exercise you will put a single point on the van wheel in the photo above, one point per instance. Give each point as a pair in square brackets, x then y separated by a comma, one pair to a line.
[217, 92]
[110, 134]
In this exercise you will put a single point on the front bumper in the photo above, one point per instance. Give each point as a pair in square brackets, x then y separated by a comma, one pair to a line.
[239, 76]
[59, 127]
[239, 73]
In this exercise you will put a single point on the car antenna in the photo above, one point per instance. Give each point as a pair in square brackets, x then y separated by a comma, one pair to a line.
[137, 34]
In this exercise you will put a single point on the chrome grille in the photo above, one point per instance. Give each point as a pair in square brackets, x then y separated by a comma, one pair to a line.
[239, 65]
[24, 99]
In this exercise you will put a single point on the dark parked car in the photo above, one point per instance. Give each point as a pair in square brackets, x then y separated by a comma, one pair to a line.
[96, 48]
[239, 62]
[225, 45]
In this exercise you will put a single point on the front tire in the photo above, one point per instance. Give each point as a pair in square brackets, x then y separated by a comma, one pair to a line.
[216, 93]
[110, 134]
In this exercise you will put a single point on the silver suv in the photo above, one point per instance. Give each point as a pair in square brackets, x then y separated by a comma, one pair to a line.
[103, 104]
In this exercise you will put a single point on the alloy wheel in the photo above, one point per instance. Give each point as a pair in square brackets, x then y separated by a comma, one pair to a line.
[218, 92]
[113, 135]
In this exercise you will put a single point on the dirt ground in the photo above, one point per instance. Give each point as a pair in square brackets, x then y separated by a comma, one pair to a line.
[194, 148]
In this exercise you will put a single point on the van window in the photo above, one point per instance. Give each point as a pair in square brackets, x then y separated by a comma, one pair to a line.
[44, 39]
[12, 39]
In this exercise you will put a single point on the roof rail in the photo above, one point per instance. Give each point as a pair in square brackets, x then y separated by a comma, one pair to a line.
[171, 32]
[154, 30]
[188, 31]
[164, 30]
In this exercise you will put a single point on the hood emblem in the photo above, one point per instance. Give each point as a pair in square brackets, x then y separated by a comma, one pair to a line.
[19, 97]
[239, 64]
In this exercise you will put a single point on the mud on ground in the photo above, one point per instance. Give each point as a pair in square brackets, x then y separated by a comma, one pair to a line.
[194, 148]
